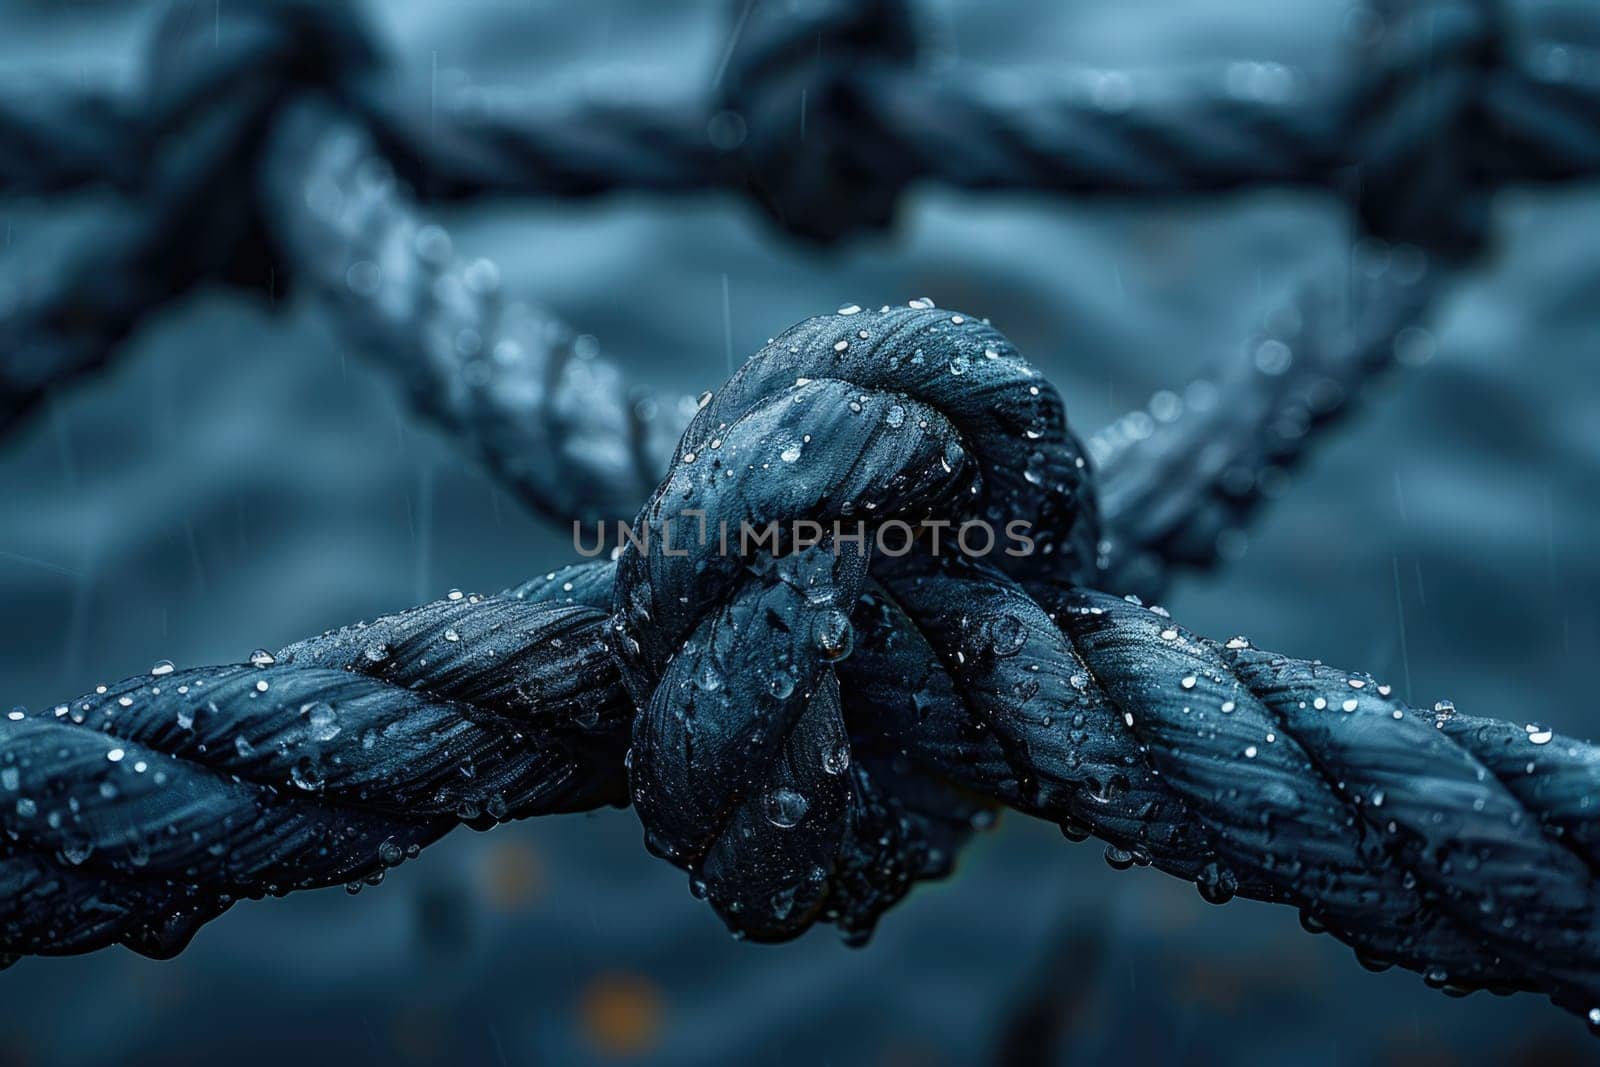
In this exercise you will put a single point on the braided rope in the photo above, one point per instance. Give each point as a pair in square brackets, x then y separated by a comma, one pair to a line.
[810, 730]
[1179, 478]
[1444, 91]
[1441, 109]
[521, 390]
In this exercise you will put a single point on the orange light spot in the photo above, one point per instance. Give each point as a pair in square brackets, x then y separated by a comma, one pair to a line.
[511, 874]
[621, 1014]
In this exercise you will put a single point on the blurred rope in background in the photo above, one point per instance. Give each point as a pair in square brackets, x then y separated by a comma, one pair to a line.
[820, 113]
[290, 100]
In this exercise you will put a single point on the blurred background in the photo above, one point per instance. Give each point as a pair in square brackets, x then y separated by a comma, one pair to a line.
[233, 481]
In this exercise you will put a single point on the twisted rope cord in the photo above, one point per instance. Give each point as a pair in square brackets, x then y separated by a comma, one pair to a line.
[57, 138]
[1180, 477]
[1437, 115]
[501, 377]
[550, 420]
[872, 116]
[809, 731]
[520, 390]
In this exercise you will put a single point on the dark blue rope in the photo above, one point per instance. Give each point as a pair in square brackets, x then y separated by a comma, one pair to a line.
[808, 732]
[1441, 110]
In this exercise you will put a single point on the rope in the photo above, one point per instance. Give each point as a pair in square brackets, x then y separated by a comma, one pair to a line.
[1180, 477]
[808, 729]
[520, 389]
[820, 111]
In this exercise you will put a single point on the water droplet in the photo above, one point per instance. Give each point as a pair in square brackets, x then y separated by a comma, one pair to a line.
[1273, 357]
[116, 755]
[790, 454]
[921, 303]
[262, 686]
[850, 309]
[1007, 635]
[833, 635]
[322, 721]
[306, 775]
[1120, 859]
[376, 653]
[707, 679]
[1250, 752]
[1189, 681]
[896, 416]
[391, 854]
[1217, 884]
[262, 658]
[785, 807]
[780, 685]
[451, 636]
[162, 668]
[837, 761]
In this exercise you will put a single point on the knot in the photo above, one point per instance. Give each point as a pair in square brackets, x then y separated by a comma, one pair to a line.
[216, 89]
[815, 154]
[733, 601]
[1420, 135]
[276, 47]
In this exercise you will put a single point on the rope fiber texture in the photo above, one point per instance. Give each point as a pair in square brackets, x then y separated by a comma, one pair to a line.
[810, 729]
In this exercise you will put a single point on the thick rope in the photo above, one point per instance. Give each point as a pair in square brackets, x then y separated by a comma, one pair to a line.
[521, 390]
[1180, 477]
[316, 124]
[809, 731]
[557, 426]
[830, 95]
[821, 112]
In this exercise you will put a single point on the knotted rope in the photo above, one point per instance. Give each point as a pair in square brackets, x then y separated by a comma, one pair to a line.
[825, 112]
[808, 729]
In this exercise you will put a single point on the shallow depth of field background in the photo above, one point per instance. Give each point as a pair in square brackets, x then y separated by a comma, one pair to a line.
[234, 481]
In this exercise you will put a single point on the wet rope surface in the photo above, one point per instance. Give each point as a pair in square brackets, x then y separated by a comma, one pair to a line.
[808, 730]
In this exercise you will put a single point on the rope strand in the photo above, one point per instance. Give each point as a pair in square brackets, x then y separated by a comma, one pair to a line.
[810, 728]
